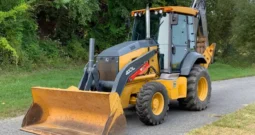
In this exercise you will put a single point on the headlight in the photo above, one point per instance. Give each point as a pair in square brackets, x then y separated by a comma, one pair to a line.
[156, 12]
[140, 14]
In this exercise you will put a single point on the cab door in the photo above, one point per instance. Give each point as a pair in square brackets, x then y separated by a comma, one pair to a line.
[179, 36]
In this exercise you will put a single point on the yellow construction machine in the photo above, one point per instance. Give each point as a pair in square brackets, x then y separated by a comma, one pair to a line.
[167, 59]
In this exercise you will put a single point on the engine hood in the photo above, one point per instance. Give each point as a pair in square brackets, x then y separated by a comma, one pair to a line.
[126, 47]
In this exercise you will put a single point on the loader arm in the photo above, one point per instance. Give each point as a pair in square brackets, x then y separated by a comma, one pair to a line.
[130, 69]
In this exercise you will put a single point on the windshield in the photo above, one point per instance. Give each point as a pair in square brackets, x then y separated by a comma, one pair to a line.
[139, 29]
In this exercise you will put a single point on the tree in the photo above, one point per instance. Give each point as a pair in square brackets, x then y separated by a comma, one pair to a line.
[243, 37]
[220, 15]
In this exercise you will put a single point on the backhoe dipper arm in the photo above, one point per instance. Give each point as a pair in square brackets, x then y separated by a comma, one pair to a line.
[200, 5]
[130, 69]
[209, 52]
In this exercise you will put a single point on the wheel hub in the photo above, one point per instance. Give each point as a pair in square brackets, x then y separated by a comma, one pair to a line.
[202, 89]
[157, 103]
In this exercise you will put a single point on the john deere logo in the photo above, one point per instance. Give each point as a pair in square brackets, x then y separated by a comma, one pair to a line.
[131, 69]
[106, 59]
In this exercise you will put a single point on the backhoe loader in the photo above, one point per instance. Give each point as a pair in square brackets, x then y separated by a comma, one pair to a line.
[167, 59]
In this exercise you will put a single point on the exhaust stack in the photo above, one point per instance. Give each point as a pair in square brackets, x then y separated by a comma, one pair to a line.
[148, 25]
[194, 3]
[91, 52]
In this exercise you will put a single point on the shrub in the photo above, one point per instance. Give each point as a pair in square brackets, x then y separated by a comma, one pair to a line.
[8, 53]
[75, 50]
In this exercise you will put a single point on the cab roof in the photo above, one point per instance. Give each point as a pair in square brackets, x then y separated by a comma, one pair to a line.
[177, 9]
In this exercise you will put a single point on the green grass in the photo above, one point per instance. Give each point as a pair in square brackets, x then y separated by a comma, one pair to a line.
[241, 122]
[15, 86]
[220, 71]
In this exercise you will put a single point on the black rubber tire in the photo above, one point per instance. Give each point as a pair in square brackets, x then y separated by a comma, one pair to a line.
[143, 103]
[192, 102]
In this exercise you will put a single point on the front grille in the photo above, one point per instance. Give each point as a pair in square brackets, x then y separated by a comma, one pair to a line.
[108, 68]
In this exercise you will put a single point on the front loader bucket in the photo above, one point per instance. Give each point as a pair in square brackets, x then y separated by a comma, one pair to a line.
[68, 112]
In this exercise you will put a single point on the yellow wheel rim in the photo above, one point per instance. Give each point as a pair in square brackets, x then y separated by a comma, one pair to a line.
[157, 103]
[202, 89]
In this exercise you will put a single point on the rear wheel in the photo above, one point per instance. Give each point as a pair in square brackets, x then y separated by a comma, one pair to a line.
[152, 103]
[199, 90]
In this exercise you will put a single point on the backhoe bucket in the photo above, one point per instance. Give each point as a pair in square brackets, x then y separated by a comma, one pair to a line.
[69, 112]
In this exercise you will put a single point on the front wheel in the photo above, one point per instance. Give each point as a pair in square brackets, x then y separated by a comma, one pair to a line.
[199, 90]
[152, 103]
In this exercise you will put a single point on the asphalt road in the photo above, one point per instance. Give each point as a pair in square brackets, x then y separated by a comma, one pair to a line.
[227, 96]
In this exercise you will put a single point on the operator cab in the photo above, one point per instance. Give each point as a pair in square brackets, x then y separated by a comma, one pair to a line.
[174, 29]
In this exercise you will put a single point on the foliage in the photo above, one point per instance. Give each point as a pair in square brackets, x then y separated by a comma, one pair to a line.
[13, 26]
[49, 48]
[38, 31]
[243, 38]
[6, 5]
[75, 49]
[231, 26]
[82, 10]
[220, 16]
[46, 31]
[8, 53]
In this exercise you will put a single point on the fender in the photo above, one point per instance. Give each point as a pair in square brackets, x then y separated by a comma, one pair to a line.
[189, 61]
